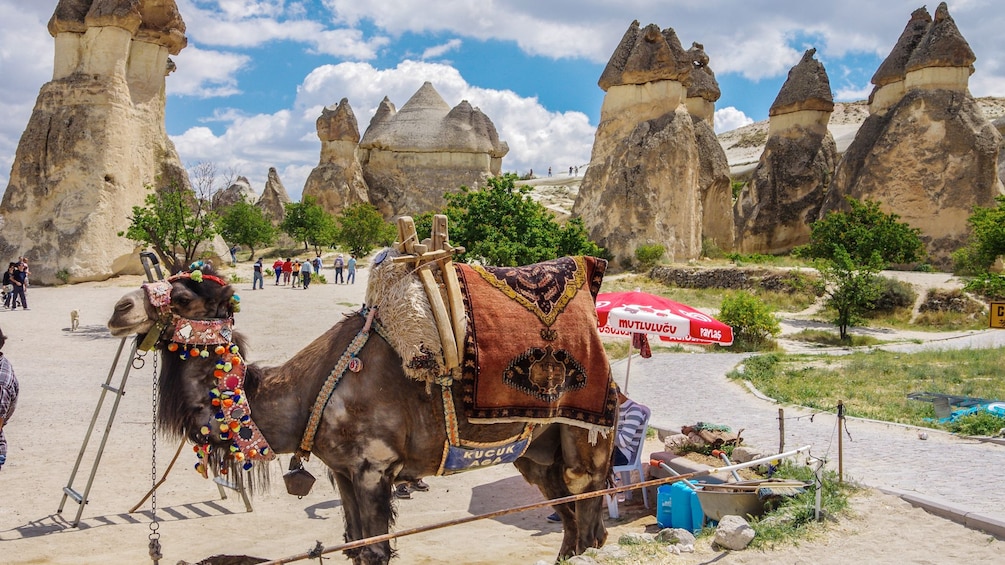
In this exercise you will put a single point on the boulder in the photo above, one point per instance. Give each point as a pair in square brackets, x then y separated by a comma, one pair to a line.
[733, 532]
[95, 140]
[413, 156]
[643, 185]
[337, 182]
[274, 198]
[786, 190]
[240, 190]
[928, 155]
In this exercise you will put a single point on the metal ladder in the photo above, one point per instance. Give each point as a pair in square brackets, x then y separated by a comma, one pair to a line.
[149, 261]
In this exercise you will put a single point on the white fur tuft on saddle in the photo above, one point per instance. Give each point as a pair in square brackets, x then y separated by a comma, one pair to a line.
[405, 314]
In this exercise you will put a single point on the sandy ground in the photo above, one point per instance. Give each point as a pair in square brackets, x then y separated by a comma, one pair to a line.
[61, 373]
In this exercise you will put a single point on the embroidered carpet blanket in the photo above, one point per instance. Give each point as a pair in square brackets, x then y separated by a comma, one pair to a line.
[532, 350]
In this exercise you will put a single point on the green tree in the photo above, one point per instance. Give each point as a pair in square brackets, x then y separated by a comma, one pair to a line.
[851, 248]
[501, 224]
[753, 322]
[986, 241]
[174, 223]
[852, 286]
[308, 222]
[861, 231]
[361, 228]
[245, 224]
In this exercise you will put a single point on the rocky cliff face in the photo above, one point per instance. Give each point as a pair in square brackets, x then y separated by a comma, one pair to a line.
[930, 155]
[95, 139]
[274, 198]
[654, 165]
[786, 190]
[412, 157]
[337, 182]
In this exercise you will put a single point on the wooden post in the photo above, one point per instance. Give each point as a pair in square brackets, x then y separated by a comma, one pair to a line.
[781, 430]
[840, 424]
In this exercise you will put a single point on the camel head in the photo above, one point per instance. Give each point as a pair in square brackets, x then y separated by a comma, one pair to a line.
[189, 294]
[192, 315]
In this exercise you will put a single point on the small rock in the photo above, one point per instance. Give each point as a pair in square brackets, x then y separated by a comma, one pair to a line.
[581, 560]
[922, 435]
[675, 536]
[733, 532]
[635, 538]
[745, 453]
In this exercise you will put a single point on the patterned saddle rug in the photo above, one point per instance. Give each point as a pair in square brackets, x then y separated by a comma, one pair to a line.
[532, 352]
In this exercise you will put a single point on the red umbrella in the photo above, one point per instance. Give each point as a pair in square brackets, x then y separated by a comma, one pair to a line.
[636, 313]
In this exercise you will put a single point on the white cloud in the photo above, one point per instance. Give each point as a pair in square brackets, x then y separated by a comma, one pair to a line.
[234, 26]
[853, 93]
[729, 118]
[439, 50]
[206, 73]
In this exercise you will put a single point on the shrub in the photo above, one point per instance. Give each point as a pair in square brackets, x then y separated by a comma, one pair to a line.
[649, 254]
[988, 285]
[752, 320]
[63, 275]
[893, 294]
[711, 249]
[980, 423]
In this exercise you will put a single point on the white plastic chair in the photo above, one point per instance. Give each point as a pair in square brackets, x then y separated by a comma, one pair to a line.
[625, 471]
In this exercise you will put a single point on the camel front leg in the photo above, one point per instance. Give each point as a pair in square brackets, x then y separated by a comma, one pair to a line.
[372, 489]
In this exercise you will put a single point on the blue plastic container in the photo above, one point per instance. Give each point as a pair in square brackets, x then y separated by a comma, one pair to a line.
[664, 506]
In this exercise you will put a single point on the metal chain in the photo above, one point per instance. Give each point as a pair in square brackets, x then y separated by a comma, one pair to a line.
[155, 536]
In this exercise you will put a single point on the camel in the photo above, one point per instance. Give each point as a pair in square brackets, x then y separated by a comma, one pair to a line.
[378, 428]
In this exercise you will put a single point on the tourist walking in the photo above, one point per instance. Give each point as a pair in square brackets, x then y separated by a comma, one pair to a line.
[8, 286]
[287, 271]
[19, 280]
[339, 265]
[278, 268]
[316, 263]
[8, 396]
[351, 270]
[258, 278]
[305, 273]
[296, 273]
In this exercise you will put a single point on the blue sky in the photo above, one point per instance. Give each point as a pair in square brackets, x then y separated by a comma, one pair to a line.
[257, 73]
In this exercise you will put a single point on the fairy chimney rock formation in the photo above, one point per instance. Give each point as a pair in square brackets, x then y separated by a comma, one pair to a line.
[889, 78]
[413, 156]
[927, 154]
[96, 138]
[805, 99]
[239, 190]
[704, 89]
[274, 198]
[642, 186]
[715, 184]
[337, 182]
[786, 191]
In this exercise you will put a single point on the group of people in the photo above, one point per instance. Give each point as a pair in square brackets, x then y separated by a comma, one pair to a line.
[294, 272]
[15, 284]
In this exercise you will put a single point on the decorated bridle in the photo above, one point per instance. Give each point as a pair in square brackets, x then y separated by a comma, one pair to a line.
[200, 338]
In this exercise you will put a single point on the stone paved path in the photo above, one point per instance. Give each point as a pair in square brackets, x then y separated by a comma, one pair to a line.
[684, 388]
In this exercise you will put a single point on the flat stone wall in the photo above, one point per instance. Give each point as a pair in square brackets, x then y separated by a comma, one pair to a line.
[738, 278]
